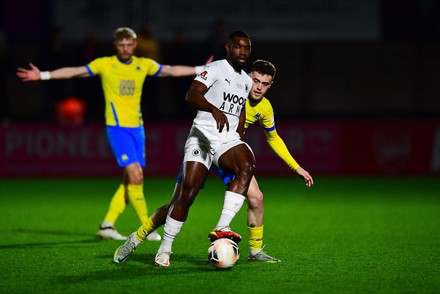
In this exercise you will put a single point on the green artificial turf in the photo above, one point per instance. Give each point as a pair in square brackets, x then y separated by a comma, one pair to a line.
[344, 235]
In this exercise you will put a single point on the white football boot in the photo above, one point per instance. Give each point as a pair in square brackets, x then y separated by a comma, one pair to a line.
[126, 249]
[162, 258]
[154, 236]
[109, 233]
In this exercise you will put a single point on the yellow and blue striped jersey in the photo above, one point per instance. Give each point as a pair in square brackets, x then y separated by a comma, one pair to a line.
[262, 112]
[122, 84]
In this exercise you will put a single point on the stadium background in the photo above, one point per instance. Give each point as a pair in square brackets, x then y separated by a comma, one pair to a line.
[356, 90]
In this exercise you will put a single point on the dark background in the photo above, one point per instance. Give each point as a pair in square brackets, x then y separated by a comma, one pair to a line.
[335, 59]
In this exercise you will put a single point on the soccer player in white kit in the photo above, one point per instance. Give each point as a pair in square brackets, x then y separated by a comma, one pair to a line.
[219, 94]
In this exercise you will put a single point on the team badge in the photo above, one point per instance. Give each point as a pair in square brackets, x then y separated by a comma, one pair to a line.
[196, 152]
[204, 74]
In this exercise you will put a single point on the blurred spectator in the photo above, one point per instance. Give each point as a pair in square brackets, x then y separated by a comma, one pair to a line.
[217, 38]
[90, 90]
[56, 54]
[149, 47]
[4, 72]
[182, 52]
[90, 47]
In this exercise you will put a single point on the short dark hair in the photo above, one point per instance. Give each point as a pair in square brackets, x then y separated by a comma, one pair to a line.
[264, 67]
[239, 34]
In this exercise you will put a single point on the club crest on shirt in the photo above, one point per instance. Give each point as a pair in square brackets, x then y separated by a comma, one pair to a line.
[196, 152]
[204, 74]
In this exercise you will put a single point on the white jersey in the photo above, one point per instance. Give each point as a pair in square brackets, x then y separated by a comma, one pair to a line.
[228, 91]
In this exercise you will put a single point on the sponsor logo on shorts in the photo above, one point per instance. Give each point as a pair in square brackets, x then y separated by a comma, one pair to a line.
[196, 152]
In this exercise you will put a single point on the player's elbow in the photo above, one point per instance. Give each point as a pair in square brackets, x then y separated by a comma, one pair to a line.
[188, 99]
[191, 96]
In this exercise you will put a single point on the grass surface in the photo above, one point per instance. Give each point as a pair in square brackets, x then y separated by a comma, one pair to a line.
[344, 235]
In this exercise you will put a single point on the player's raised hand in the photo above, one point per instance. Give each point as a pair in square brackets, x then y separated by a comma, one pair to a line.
[221, 119]
[26, 75]
[305, 175]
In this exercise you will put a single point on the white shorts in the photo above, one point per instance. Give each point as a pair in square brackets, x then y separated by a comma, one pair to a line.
[197, 148]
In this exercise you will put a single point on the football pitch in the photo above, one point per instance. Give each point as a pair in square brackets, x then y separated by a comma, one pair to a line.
[344, 235]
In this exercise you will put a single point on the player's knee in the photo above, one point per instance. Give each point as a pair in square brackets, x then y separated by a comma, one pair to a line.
[136, 178]
[188, 195]
[134, 174]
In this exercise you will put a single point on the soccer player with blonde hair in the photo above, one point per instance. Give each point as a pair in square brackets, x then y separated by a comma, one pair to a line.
[122, 76]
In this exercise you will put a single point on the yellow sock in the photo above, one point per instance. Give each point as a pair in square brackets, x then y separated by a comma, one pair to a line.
[117, 205]
[255, 238]
[146, 228]
[137, 200]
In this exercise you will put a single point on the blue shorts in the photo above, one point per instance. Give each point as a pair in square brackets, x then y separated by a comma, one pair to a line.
[226, 177]
[127, 144]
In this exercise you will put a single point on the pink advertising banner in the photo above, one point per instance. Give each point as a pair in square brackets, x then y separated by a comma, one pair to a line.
[321, 147]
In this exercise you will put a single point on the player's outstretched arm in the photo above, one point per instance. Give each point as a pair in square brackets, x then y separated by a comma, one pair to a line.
[183, 70]
[279, 147]
[34, 73]
[178, 71]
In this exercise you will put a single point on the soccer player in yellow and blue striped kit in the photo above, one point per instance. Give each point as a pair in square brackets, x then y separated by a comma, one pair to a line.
[122, 78]
[258, 109]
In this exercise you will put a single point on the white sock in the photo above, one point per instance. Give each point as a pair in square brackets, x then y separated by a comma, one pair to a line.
[135, 240]
[254, 252]
[171, 229]
[231, 206]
